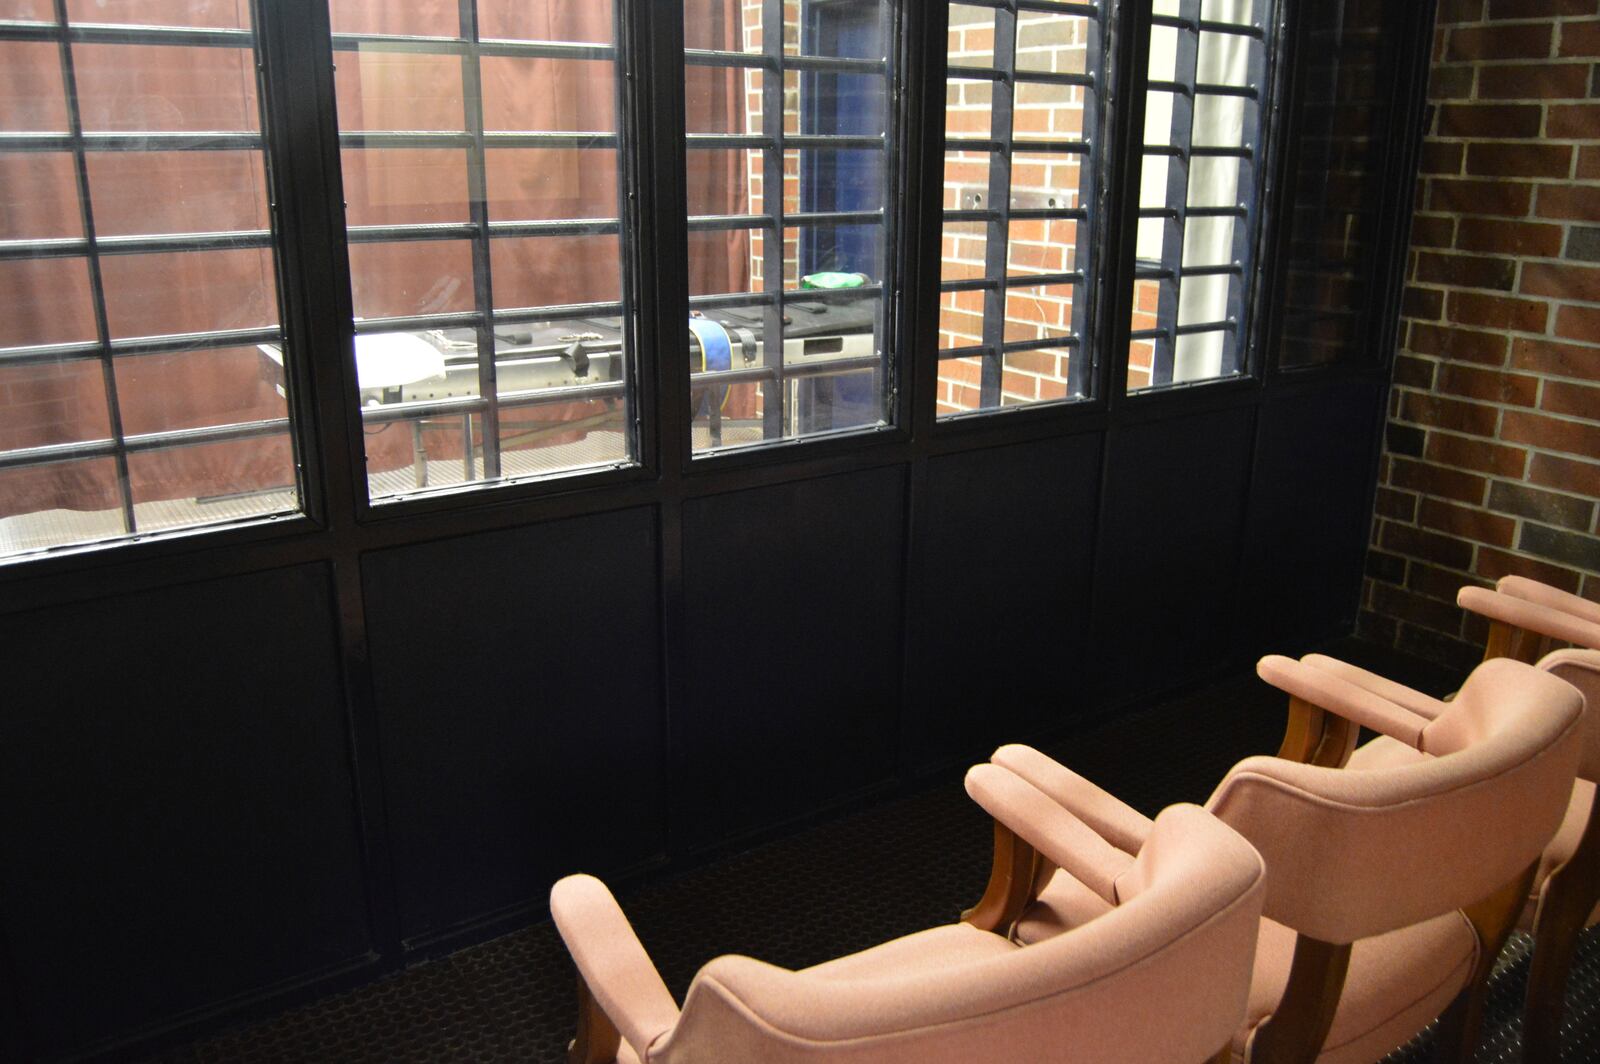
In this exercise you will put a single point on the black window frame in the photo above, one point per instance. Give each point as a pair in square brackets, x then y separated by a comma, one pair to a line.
[296, 52]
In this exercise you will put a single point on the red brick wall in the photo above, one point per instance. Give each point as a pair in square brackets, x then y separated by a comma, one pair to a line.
[1492, 461]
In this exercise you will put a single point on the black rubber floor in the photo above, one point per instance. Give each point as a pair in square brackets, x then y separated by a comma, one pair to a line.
[905, 865]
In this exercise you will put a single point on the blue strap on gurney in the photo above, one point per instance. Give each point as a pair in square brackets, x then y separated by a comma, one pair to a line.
[716, 350]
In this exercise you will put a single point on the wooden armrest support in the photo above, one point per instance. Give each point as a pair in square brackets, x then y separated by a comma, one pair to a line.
[1523, 629]
[1013, 884]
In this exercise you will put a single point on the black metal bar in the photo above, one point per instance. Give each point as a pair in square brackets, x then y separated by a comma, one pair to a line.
[722, 222]
[1247, 232]
[1185, 66]
[108, 367]
[98, 142]
[482, 276]
[1086, 251]
[628, 170]
[110, 33]
[11, 250]
[774, 398]
[997, 248]
[56, 453]
[377, 42]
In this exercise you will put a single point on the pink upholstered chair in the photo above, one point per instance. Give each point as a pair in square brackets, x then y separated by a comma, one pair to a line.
[1390, 887]
[1160, 977]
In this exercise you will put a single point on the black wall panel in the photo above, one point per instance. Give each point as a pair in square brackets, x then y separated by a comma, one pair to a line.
[1000, 607]
[1169, 549]
[1309, 512]
[179, 822]
[793, 622]
[517, 677]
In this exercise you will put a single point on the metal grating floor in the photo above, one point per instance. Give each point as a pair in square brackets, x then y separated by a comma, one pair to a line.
[907, 864]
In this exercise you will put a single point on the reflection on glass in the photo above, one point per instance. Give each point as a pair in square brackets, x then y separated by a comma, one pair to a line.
[192, 291]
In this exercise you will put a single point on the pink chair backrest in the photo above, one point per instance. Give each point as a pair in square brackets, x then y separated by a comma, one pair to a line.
[1161, 979]
[1581, 668]
[1352, 854]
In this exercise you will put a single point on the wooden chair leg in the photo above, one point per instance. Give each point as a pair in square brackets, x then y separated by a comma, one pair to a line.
[1554, 942]
[597, 1040]
[1493, 919]
[1568, 897]
[1297, 1028]
[1224, 1056]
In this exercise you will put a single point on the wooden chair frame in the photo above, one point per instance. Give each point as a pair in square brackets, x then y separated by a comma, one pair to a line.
[597, 1040]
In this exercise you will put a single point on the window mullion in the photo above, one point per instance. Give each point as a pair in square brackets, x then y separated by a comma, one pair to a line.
[774, 191]
[482, 281]
[1245, 234]
[1179, 164]
[997, 247]
[108, 367]
[1078, 372]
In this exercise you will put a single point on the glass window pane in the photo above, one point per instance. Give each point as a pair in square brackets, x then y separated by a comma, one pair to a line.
[403, 279]
[1042, 313]
[170, 391]
[53, 402]
[189, 292]
[97, 434]
[971, 36]
[1039, 375]
[62, 504]
[552, 184]
[434, 18]
[27, 10]
[961, 320]
[969, 109]
[803, 354]
[1048, 112]
[126, 88]
[380, 90]
[1038, 246]
[405, 186]
[723, 100]
[965, 252]
[183, 486]
[556, 271]
[545, 20]
[202, 14]
[38, 196]
[1053, 43]
[205, 192]
[549, 95]
[31, 97]
[45, 301]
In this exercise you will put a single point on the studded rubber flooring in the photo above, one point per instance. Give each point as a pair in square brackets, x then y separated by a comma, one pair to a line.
[899, 867]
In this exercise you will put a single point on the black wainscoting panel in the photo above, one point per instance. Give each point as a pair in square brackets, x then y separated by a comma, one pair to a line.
[517, 677]
[1169, 550]
[179, 821]
[1309, 516]
[1001, 601]
[792, 614]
